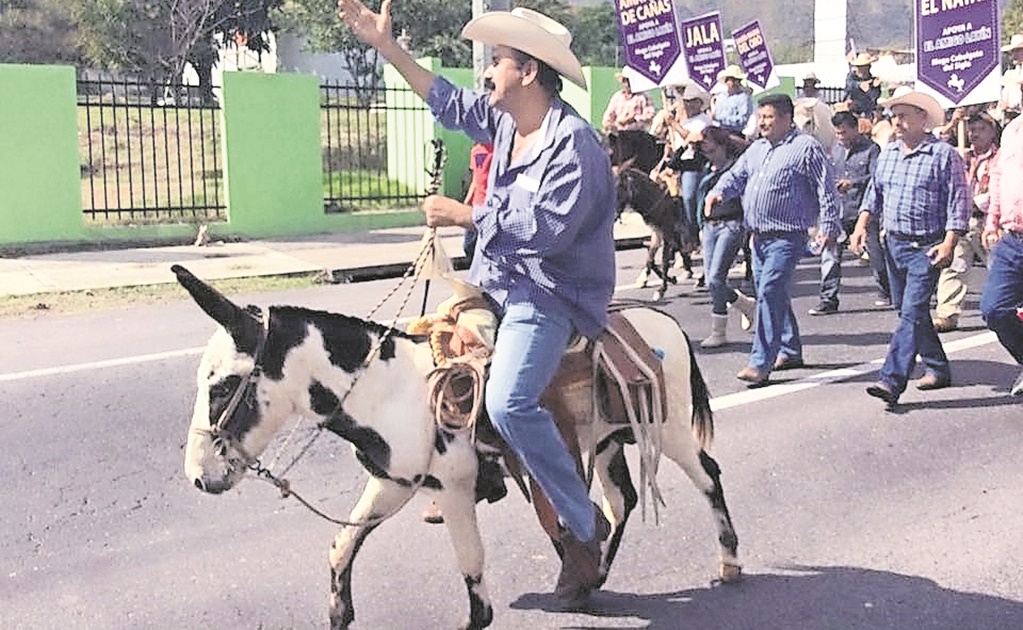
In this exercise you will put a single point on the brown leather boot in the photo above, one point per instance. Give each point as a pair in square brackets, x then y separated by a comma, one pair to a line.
[580, 566]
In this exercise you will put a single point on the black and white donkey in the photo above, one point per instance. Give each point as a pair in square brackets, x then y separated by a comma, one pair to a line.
[368, 384]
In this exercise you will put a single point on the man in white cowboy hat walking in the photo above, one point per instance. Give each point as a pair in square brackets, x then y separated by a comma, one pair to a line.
[628, 110]
[545, 249]
[919, 195]
[862, 89]
[732, 110]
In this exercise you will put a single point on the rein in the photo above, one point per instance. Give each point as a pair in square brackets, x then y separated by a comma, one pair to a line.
[253, 463]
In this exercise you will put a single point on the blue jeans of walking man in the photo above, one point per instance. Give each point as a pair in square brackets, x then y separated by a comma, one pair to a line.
[527, 353]
[1003, 293]
[774, 264]
[912, 279]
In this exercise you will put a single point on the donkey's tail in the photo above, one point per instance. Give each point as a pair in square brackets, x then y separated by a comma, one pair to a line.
[703, 417]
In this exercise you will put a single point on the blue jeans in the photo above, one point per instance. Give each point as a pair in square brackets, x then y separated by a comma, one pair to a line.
[774, 265]
[831, 268]
[721, 242]
[1003, 293]
[688, 181]
[831, 273]
[912, 279]
[528, 351]
[878, 263]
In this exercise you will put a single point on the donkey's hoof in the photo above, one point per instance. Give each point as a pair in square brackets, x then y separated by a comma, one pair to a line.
[730, 573]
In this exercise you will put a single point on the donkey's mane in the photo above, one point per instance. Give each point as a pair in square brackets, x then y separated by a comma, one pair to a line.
[326, 318]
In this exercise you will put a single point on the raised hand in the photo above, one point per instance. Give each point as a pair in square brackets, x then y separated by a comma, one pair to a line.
[372, 29]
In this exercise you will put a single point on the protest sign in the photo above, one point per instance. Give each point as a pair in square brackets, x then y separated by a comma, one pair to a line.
[957, 50]
[754, 57]
[703, 49]
[649, 35]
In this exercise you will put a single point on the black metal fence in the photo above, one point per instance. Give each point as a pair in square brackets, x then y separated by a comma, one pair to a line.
[832, 95]
[149, 153]
[356, 124]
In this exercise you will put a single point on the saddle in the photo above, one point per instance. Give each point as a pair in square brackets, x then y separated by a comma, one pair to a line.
[627, 386]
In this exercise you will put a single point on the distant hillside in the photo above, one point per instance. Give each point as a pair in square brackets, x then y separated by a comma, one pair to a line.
[789, 23]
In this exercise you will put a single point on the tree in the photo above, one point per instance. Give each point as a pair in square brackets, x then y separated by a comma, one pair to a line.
[155, 39]
[1012, 19]
[595, 37]
[37, 31]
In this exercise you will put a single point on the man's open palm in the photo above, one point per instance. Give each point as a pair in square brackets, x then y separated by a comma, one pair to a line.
[373, 29]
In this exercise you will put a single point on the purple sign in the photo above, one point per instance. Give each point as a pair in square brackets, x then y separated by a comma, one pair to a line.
[649, 32]
[956, 45]
[754, 57]
[703, 48]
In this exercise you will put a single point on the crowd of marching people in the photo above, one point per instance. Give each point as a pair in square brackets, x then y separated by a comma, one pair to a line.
[885, 177]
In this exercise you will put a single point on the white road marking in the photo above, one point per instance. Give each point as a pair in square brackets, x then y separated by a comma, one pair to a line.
[780, 389]
[98, 365]
[717, 404]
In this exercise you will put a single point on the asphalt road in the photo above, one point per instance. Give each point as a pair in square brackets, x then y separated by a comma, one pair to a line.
[848, 516]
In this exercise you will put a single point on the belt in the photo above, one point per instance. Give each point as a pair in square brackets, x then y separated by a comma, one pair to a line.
[917, 238]
[774, 233]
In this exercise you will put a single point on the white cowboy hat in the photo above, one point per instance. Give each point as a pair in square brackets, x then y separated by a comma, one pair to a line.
[694, 92]
[906, 95]
[811, 78]
[862, 59]
[1015, 43]
[732, 72]
[534, 34]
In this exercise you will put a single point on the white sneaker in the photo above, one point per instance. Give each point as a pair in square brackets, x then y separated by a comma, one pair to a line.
[1017, 387]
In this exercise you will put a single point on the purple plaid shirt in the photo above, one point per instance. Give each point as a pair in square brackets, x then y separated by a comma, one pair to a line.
[545, 232]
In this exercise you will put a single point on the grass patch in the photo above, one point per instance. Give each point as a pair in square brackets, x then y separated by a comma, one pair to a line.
[43, 304]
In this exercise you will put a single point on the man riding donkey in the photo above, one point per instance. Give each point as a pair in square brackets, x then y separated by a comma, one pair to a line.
[545, 250]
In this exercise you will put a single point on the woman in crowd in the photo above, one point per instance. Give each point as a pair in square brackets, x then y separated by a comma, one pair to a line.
[723, 234]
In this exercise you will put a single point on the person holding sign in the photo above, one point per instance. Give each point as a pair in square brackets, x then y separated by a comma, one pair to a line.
[919, 195]
[545, 249]
[628, 110]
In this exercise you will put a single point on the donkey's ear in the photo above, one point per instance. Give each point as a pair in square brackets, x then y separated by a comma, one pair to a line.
[242, 326]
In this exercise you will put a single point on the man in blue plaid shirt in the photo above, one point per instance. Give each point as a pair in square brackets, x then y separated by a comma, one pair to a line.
[920, 196]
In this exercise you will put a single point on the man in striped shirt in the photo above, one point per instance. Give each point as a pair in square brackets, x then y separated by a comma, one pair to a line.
[1002, 298]
[920, 196]
[787, 187]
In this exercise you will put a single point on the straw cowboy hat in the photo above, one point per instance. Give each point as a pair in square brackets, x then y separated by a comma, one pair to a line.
[732, 72]
[694, 92]
[534, 34]
[1015, 43]
[811, 78]
[862, 59]
[906, 95]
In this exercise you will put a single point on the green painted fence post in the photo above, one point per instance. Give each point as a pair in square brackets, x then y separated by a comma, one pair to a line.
[40, 172]
[273, 170]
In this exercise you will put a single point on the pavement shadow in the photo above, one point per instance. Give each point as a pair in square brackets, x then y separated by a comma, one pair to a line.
[813, 597]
